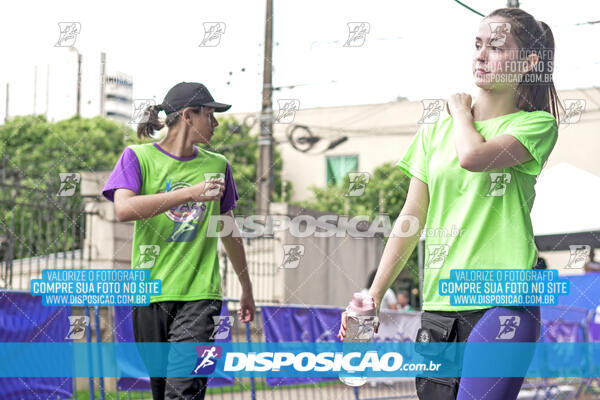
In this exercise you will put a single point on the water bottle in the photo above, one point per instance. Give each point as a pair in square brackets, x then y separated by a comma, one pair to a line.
[360, 327]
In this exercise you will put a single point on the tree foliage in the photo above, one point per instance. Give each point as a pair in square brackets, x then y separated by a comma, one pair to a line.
[35, 151]
[385, 193]
[235, 142]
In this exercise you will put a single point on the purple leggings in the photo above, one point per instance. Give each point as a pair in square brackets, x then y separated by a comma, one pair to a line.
[499, 324]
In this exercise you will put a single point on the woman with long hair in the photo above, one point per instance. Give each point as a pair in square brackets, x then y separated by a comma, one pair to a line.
[476, 169]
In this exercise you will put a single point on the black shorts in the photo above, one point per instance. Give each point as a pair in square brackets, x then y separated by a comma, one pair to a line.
[176, 321]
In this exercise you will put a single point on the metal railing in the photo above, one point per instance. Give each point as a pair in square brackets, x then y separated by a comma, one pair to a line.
[38, 230]
[262, 268]
[257, 388]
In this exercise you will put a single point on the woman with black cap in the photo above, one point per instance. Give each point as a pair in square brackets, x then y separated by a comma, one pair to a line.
[170, 189]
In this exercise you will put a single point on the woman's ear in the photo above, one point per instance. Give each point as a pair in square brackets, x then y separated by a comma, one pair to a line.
[185, 115]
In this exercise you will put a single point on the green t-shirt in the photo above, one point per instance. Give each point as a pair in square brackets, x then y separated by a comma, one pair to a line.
[173, 244]
[477, 220]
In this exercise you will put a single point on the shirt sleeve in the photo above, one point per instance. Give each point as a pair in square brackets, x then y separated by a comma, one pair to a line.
[538, 132]
[414, 162]
[125, 175]
[230, 195]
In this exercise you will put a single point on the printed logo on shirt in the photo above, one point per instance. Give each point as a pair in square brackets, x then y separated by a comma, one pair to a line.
[578, 256]
[186, 217]
[508, 326]
[148, 255]
[207, 359]
[500, 181]
[437, 255]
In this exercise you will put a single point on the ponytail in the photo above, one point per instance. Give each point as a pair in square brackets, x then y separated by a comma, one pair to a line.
[150, 122]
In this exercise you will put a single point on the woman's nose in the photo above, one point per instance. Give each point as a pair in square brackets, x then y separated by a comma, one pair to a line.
[481, 54]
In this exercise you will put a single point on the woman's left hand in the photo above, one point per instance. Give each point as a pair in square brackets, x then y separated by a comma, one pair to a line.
[459, 103]
[247, 307]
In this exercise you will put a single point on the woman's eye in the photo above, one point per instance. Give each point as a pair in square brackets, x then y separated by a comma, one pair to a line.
[477, 46]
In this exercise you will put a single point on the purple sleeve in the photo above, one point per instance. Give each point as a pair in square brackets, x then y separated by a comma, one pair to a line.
[230, 196]
[125, 175]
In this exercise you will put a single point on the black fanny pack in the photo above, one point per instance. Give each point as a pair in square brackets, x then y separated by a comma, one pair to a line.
[436, 328]
[442, 329]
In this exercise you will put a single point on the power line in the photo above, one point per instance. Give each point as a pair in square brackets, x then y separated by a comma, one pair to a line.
[588, 23]
[469, 8]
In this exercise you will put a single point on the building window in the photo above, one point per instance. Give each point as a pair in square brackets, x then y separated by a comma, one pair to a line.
[338, 167]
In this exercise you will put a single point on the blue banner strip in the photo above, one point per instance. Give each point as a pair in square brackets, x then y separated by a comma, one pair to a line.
[293, 359]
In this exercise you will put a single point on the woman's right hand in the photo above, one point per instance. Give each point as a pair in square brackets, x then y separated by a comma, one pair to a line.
[358, 307]
[342, 332]
[209, 190]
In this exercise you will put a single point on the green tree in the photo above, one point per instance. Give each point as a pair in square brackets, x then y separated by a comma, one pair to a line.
[37, 150]
[34, 220]
[385, 193]
[235, 142]
[34, 152]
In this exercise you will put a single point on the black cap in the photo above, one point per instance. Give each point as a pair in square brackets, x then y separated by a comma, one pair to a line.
[190, 94]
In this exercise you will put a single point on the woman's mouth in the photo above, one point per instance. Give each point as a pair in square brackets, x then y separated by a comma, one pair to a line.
[480, 72]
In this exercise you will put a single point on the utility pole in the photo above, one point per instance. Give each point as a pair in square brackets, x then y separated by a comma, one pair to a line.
[6, 109]
[102, 81]
[78, 79]
[78, 83]
[265, 140]
[34, 88]
[47, 88]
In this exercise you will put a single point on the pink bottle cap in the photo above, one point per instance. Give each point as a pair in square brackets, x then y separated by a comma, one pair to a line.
[361, 304]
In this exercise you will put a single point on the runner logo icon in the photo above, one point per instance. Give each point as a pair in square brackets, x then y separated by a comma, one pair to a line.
[508, 327]
[207, 359]
[222, 327]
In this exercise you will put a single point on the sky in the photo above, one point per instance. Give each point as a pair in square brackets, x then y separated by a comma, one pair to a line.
[417, 49]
